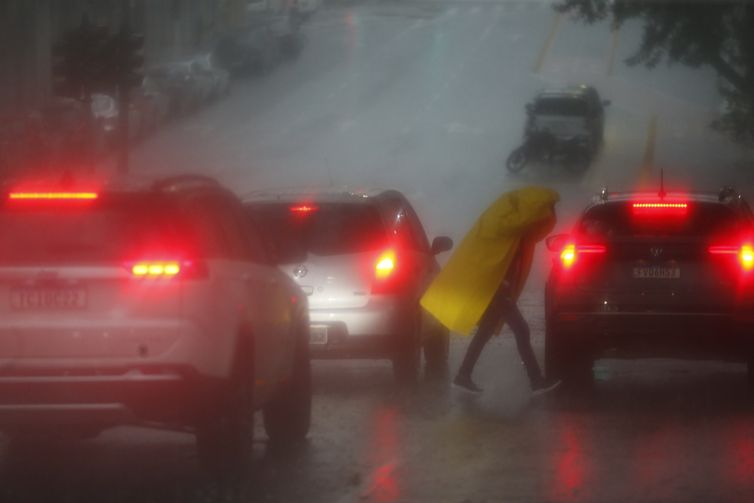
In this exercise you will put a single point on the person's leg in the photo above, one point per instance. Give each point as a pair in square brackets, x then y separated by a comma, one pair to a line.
[485, 330]
[520, 328]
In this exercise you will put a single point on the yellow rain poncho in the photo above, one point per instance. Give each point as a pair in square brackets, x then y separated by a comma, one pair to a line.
[461, 292]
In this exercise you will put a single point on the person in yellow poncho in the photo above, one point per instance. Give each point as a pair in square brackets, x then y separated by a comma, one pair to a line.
[483, 278]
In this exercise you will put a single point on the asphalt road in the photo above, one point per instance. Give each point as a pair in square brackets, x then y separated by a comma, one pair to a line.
[428, 97]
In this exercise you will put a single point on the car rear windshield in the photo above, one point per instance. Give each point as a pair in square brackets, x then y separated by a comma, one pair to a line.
[325, 230]
[560, 106]
[107, 230]
[701, 219]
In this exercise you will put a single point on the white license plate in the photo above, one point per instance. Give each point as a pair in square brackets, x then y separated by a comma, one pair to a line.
[318, 334]
[43, 299]
[657, 272]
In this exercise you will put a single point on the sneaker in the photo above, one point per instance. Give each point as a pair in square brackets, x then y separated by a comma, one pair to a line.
[466, 384]
[545, 387]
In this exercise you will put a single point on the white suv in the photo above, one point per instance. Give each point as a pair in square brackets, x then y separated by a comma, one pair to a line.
[147, 303]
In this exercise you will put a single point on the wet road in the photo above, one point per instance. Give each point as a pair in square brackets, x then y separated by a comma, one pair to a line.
[428, 97]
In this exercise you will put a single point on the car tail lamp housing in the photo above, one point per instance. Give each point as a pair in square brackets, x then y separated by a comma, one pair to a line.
[572, 251]
[743, 253]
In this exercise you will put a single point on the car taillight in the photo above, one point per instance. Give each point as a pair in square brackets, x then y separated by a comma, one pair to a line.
[386, 272]
[303, 209]
[744, 254]
[385, 265]
[53, 196]
[185, 269]
[660, 209]
[571, 252]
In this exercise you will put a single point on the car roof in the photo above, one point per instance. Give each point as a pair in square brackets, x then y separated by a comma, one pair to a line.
[318, 194]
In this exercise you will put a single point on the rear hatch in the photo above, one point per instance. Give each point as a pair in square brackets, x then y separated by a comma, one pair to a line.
[330, 249]
[565, 117]
[83, 277]
[661, 257]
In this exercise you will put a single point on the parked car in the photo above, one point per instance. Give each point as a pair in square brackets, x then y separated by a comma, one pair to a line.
[255, 49]
[147, 303]
[106, 112]
[177, 82]
[364, 261]
[206, 66]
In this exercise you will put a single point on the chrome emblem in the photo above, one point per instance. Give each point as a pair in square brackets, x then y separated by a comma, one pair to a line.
[300, 271]
[656, 251]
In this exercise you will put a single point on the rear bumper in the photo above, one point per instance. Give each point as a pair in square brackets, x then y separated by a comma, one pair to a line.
[674, 335]
[371, 331]
[167, 395]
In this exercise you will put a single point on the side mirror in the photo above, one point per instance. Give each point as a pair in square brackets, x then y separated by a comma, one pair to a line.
[606, 103]
[557, 242]
[441, 244]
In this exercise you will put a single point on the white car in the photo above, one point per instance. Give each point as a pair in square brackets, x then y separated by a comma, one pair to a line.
[147, 303]
[364, 260]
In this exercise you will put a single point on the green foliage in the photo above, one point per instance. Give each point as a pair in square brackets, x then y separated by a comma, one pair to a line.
[714, 33]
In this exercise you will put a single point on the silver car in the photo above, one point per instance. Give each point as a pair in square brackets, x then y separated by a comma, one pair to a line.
[364, 260]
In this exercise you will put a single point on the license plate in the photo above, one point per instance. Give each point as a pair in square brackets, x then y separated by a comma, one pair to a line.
[26, 299]
[318, 334]
[657, 272]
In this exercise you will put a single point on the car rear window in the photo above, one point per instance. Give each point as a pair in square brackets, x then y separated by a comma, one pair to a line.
[328, 229]
[615, 220]
[107, 230]
[560, 106]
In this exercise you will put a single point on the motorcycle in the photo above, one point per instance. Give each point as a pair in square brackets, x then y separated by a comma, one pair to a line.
[573, 153]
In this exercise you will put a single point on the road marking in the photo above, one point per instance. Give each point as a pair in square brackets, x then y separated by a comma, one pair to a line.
[648, 158]
[613, 47]
[548, 43]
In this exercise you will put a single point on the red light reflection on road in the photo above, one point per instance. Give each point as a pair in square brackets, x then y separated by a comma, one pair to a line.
[738, 464]
[570, 463]
[384, 484]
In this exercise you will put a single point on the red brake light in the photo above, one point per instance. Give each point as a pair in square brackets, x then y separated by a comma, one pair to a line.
[303, 209]
[53, 196]
[571, 251]
[385, 264]
[167, 269]
[678, 209]
[156, 268]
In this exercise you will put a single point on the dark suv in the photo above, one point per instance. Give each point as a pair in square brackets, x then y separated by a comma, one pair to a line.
[647, 275]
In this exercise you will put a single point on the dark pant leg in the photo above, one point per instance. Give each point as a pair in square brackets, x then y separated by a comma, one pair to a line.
[520, 329]
[487, 325]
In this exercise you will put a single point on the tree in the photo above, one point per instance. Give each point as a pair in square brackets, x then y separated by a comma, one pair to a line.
[79, 62]
[714, 33]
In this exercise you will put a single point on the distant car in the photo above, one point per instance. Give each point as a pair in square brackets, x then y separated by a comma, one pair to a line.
[177, 82]
[206, 66]
[306, 8]
[569, 113]
[364, 261]
[140, 302]
[106, 112]
[254, 49]
[647, 275]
